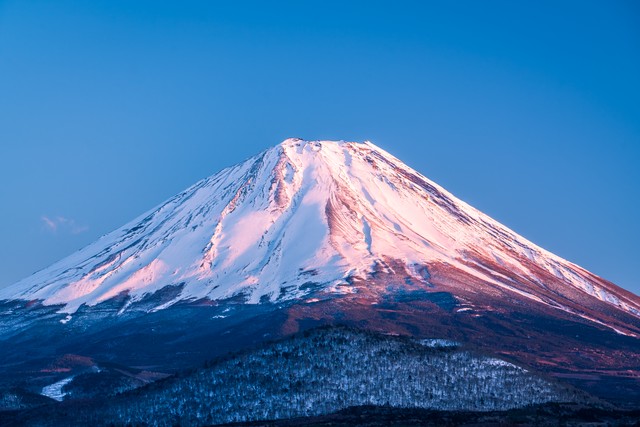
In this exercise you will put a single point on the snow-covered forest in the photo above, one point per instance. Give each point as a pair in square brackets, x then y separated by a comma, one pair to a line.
[323, 371]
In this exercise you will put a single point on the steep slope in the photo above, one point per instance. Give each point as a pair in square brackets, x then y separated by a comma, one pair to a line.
[310, 233]
[316, 215]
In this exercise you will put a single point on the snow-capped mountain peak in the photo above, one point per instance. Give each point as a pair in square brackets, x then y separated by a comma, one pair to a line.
[319, 217]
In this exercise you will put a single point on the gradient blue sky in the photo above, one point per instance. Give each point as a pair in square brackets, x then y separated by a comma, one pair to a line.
[530, 111]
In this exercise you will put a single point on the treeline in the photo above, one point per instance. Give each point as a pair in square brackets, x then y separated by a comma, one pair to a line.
[322, 372]
[16, 398]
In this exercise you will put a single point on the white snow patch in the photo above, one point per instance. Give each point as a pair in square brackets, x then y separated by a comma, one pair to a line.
[500, 362]
[54, 390]
[438, 343]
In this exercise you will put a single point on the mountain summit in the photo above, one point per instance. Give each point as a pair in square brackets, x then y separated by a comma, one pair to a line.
[312, 219]
[308, 234]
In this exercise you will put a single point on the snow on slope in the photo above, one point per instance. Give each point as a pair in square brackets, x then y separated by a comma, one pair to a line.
[300, 212]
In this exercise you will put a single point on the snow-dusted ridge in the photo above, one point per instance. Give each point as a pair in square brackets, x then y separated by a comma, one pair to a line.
[304, 212]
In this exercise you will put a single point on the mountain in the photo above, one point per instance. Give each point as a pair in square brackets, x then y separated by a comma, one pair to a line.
[326, 214]
[318, 232]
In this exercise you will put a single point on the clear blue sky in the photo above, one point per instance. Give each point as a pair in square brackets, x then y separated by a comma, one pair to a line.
[529, 111]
